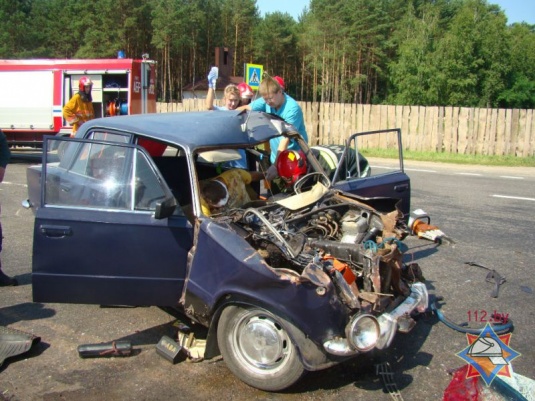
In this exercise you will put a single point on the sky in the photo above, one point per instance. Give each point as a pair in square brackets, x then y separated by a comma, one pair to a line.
[515, 10]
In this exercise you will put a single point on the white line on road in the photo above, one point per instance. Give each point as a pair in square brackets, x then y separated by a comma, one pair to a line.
[14, 183]
[420, 170]
[514, 197]
[511, 177]
[475, 174]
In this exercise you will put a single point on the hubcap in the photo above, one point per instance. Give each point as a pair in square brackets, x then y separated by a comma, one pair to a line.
[261, 342]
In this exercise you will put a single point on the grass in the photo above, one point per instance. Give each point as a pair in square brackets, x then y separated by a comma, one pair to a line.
[510, 161]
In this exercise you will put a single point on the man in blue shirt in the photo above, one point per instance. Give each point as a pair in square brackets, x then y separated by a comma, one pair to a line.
[275, 101]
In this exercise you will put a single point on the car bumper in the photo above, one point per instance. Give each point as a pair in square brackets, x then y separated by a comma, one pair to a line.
[388, 323]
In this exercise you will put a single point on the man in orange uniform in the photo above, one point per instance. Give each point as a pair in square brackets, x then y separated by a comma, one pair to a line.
[79, 109]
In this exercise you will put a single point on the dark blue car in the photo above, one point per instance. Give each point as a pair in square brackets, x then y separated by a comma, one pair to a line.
[285, 284]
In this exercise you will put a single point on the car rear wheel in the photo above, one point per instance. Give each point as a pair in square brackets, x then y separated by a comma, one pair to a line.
[257, 348]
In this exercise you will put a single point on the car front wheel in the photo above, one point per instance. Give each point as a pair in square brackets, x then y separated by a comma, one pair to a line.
[257, 349]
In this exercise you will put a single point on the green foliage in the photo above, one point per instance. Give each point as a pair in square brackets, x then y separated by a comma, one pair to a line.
[417, 52]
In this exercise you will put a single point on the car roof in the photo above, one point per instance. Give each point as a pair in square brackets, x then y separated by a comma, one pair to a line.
[197, 129]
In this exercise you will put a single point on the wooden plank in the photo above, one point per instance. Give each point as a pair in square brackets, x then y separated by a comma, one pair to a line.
[455, 129]
[448, 130]
[477, 142]
[530, 134]
[499, 149]
[336, 123]
[464, 125]
[414, 118]
[491, 137]
[347, 122]
[430, 144]
[360, 118]
[375, 117]
[515, 126]
[405, 130]
[366, 116]
[521, 133]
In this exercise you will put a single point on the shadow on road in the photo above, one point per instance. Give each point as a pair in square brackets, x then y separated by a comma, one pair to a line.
[24, 311]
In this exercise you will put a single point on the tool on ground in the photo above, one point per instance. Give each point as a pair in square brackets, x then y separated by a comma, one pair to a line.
[420, 225]
[492, 277]
[109, 349]
[170, 350]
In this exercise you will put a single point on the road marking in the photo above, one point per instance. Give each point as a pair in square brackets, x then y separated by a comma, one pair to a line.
[406, 169]
[14, 183]
[420, 170]
[474, 174]
[511, 177]
[513, 197]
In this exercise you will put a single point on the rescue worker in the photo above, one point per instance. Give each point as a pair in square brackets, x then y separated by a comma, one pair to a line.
[246, 94]
[275, 101]
[291, 166]
[227, 191]
[231, 94]
[79, 108]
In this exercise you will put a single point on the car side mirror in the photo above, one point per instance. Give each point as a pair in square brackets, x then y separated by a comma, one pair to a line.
[165, 208]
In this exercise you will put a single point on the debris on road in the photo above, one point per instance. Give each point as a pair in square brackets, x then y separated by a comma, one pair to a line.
[420, 225]
[109, 349]
[504, 326]
[15, 342]
[492, 277]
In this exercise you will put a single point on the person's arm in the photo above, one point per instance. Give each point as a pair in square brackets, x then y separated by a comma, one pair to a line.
[256, 176]
[210, 99]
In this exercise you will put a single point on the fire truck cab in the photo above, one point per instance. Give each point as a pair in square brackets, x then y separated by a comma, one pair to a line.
[33, 93]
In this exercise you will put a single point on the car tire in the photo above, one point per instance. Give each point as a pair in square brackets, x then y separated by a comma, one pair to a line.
[257, 349]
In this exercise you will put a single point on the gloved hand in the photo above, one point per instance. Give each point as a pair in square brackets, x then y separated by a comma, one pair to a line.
[271, 173]
[212, 77]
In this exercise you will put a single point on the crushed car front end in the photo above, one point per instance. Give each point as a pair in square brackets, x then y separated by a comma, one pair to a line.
[328, 263]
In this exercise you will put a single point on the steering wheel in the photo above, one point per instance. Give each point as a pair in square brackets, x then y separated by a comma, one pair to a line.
[301, 181]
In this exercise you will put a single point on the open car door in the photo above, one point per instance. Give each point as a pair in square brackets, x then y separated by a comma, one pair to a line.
[106, 229]
[355, 175]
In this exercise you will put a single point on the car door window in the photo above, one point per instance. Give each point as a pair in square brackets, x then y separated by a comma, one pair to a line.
[103, 175]
[109, 136]
[352, 161]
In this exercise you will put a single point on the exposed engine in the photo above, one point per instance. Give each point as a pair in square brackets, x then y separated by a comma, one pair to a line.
[360, 249]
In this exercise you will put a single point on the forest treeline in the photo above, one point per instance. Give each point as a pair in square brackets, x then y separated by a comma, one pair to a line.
[409, 52]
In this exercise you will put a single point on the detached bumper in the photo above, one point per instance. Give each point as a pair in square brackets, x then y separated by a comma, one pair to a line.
[387, 324]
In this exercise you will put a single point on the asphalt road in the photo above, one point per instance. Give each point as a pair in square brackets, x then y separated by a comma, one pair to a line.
[489, 212]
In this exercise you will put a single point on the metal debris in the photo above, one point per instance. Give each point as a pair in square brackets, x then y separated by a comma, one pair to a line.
[492, 277]
[383, 370]
[14, 342]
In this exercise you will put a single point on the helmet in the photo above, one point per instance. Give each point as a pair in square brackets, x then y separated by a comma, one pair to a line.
[280, 81]
[83, 82]
[246, 92]
[291, 165]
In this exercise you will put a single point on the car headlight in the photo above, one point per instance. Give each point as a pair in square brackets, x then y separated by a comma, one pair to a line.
[362, 332]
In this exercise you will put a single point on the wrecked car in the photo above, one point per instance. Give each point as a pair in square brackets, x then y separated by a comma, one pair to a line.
[285, 284]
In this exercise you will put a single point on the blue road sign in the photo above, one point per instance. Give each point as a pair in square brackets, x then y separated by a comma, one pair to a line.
[253, 75]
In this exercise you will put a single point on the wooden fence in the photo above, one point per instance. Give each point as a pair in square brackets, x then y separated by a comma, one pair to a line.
[459, 130]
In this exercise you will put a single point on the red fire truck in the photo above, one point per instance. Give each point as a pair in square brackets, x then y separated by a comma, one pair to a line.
[33, 92]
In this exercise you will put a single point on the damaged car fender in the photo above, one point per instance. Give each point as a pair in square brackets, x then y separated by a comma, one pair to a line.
[219, 273]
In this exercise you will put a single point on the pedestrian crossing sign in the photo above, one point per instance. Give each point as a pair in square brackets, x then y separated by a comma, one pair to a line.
[253, 75]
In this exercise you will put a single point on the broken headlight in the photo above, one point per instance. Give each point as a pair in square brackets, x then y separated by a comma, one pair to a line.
[362, 332]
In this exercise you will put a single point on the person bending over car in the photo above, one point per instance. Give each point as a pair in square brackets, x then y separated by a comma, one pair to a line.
[227, 191]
